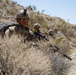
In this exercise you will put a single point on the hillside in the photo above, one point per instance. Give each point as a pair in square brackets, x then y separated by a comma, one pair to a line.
[8, 9]
[37, 57]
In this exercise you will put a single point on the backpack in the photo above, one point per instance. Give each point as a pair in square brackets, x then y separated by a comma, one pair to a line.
[5, 26]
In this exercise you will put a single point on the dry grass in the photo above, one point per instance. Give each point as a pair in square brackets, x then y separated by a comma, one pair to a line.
[22, 57]
[36, 58]
[30, 58]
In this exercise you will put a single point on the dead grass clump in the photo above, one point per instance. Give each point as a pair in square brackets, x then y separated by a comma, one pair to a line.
[23, 58]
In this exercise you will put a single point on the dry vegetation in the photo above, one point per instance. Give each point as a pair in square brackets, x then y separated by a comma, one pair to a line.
[30, 58]
[36, 58]
[8, 10]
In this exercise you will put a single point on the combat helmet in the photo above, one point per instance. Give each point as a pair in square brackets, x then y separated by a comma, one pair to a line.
[50, 32]
[22, 14]
[37, 25]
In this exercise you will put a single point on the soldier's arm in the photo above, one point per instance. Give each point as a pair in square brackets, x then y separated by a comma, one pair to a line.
[10, 31]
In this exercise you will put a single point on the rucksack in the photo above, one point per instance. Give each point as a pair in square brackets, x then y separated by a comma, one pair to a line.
[6, 25]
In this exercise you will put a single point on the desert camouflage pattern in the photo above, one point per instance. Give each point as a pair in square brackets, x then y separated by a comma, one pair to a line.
[19, 30]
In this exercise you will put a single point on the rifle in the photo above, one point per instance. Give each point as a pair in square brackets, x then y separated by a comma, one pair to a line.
[43, 36]
[56, 49]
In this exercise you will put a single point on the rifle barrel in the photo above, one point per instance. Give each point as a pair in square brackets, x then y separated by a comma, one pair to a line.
[67, 57]
[57, 50]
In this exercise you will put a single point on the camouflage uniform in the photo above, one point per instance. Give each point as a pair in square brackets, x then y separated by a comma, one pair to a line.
[19, 28]
[25, 32]
[36, 29]
[22, 31]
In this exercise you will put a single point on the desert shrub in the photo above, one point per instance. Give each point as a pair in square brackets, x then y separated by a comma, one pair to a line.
[57, 67]
[31, 58]
[19, 58]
